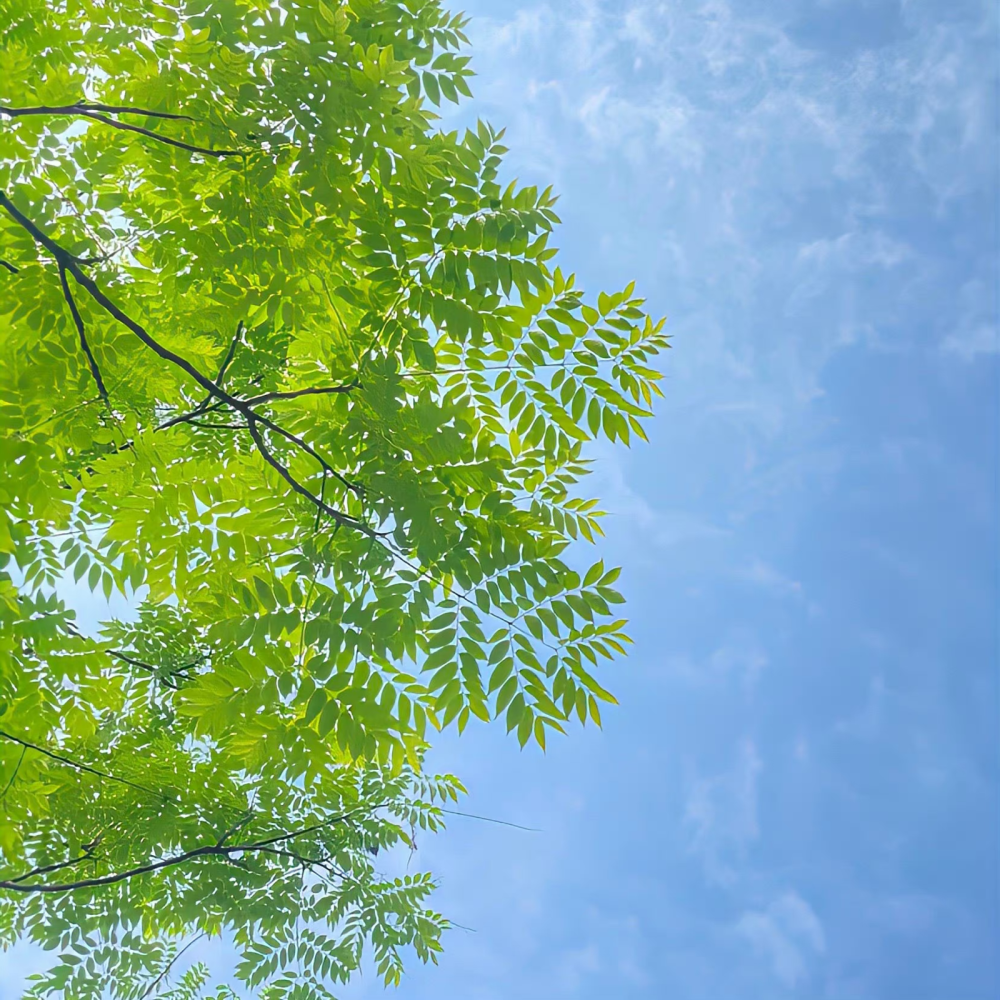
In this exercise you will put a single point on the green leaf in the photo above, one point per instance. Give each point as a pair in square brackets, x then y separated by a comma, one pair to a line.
[431, 88]
[424, 354]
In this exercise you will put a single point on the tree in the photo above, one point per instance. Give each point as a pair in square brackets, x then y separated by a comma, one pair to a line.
[282, 364]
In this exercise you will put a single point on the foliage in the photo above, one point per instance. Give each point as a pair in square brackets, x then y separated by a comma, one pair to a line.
[282, 364]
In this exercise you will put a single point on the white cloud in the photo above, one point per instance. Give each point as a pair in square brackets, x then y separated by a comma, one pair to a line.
[613, 951]
[787, 933]
[634, 516]
[867, 722]
[976, 331]
[721, 812]
[660, 125]
[764, 575]
[856, 251]
[744, 662]
[574, 966]
[973, 343]
[721, 107]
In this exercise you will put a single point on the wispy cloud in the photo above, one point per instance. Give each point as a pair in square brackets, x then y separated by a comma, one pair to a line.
[973, 342]
[721, 812]
[743, 662]
[866, 723]
[787, 933]
[749, 129]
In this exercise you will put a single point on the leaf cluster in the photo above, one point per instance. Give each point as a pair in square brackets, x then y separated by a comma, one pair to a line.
[294, 372]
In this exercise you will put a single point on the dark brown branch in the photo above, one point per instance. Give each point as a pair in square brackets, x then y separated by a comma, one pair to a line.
[203, 406]
[309, 450]
[70, 263]
[10, 267]
[95, 371]
[331, 512]
[163, 678]
[188, 417]
[177, 143]
[83, 111]
[86, 106]
[206, 851]
[16, 885]
[88, 853]
[230, 354]
[121, 109]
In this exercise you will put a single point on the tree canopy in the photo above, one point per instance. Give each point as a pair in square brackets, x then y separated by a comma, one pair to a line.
[290, 369]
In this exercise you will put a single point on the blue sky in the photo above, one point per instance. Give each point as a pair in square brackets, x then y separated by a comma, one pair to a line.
[799, 796]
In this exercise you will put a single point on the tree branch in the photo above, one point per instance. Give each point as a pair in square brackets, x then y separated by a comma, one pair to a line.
[178, 672]
[86, 106]
[203, 406]
[189, 416]
[267, 397]
[78, 320]
[14, 773]
[10, 267]
[309, 450]
[332, 512]
[88, 853]
[66, 260]
[218, 850]
[93, 113]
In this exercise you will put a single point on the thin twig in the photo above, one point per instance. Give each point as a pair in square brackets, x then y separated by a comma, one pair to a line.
[176, 672]
[184, 418]
[488, 819]
[203, 406]
[267, 397]
[82, 767]
[309, 450]
[148, 992]
[17, 768]
[336, 515]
